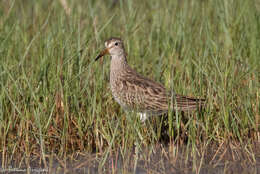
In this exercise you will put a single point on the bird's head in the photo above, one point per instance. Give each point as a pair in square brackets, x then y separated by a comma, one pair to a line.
[113, 46]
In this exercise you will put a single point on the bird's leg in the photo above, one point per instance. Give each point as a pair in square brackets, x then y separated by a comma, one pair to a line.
[143, 116]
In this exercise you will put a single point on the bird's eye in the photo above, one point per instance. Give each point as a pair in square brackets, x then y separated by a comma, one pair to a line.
[116, 43]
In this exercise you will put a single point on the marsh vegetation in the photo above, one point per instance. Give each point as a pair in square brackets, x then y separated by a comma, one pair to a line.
[56, 108]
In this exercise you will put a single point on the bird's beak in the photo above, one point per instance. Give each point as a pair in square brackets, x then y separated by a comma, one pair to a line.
[102, 53]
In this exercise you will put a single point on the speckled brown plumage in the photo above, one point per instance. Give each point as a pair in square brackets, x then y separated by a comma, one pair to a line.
[135, 92]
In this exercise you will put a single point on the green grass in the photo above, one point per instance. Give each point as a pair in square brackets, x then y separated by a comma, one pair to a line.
[54, 99]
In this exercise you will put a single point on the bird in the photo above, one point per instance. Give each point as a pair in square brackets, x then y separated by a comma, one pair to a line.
[137, 93]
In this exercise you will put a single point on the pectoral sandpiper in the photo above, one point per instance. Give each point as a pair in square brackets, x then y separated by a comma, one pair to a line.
[137, 93]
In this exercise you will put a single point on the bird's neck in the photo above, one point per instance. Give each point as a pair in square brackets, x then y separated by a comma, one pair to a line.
[118, 62]
[117, 66]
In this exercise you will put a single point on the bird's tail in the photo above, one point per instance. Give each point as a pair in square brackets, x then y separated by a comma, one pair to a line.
[184, 103]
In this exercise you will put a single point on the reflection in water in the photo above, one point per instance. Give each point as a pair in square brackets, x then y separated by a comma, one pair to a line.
[222, 159]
